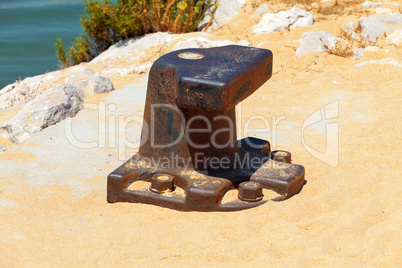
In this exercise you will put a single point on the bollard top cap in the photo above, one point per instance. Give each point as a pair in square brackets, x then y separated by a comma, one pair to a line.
[216, 79]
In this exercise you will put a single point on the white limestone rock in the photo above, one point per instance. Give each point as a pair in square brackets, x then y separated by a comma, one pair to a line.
[283, 20]
[375, 26]
[128, 56]
[202, 42]
[131, 49]
[227, 9]
[369, 4]
[358, 53]
[53, 106]
[30, 88]
[391, 61]
[395, 38]
[350, 30]
[314, 41]
[97, 84]
[136, 68]
[261, 10]
[77, 74]
[382, 10]
[23, 91]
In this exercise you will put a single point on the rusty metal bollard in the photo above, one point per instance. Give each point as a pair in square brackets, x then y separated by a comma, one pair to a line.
[189, 141]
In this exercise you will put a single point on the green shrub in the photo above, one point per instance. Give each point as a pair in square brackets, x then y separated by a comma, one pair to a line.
[61, 54]
[107, 22]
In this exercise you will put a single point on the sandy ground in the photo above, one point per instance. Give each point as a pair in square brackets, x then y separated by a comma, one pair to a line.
[53, 195]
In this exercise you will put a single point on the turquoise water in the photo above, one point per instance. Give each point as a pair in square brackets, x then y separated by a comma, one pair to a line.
[28, 31]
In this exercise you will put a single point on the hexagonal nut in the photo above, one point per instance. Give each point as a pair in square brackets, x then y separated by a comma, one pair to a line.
[281, 156]
[250, 191]
[161, 183]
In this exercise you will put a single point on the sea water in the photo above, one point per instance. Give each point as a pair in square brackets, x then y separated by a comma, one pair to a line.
[28, 31]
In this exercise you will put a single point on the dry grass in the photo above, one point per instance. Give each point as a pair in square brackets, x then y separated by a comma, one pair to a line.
[347, 47]
[360, 41]
[308, 4]
[341, 49]
[342, 7]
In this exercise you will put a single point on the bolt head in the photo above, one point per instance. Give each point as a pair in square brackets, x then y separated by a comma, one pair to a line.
[281, 156]
[250, 191]
[161, 183]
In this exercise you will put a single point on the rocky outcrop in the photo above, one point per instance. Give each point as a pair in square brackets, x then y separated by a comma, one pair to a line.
[227, 9]
[369, 4]
[350, 30]
[78, 73]
[131, 49]
[375, 26]
[47, 99]
[97, 84]
[283, 20]
[53, 106]
[261, 10]
[382, 10]
[114, 60]
[23, 91]
[314, 41]
[395, 38]
[30, 88]
[202, 42]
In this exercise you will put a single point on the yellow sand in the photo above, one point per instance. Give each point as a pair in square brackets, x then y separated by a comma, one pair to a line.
[345, 215]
